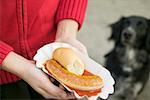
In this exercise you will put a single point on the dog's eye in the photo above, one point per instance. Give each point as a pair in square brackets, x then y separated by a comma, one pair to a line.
[127, 22]
[139, 23]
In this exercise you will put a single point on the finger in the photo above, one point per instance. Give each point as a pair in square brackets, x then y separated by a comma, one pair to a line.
[82, 48]
[71, 96]
[84, 51]
[62, 87]
[45, 94]
[54, 90]
[52, 79]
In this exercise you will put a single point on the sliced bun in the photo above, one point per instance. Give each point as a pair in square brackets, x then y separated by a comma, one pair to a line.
[86, 83]
[69, 59]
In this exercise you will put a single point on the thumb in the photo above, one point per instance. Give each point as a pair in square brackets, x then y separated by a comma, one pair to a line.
[82, 49]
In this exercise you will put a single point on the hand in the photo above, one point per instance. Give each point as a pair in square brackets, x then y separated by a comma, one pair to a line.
[37, 79]
[66, 32]
[40, 82]
[75, 43]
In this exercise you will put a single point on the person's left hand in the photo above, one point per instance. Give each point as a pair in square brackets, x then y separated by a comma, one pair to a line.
[66, 32]
[75, 43]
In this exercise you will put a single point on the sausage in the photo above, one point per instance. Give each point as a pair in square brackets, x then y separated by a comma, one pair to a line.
[72, 80]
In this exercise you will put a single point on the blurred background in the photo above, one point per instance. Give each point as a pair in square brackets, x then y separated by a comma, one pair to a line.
[96, 30]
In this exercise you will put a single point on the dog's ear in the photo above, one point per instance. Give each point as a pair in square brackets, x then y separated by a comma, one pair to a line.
[116, 29]
[148, 37]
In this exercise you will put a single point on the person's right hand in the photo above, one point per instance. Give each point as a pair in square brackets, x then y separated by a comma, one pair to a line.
[37, 79]
[40, 82]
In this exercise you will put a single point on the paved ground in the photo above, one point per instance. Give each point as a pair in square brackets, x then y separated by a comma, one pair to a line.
[95, 30]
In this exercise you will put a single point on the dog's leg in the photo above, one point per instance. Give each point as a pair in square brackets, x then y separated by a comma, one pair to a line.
[128, 92]
[137, 87]
[125, 90]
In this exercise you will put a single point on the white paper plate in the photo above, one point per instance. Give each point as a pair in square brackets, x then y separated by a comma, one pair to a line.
[45, 53]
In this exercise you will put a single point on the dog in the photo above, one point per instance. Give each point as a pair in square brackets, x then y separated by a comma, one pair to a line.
[129, 60]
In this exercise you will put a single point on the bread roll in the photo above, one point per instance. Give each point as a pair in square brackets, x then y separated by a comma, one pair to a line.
[69, 59]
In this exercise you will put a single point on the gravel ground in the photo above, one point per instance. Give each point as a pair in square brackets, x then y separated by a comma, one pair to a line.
[95, 30]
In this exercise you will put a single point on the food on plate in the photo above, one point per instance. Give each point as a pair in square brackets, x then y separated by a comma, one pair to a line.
[69, 69]
[87, 93]
[68, 59]
[72, 80]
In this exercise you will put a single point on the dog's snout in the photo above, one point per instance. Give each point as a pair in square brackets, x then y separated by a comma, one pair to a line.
[127, 35]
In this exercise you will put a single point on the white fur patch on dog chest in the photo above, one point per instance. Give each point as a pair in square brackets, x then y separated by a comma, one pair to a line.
[131, 54]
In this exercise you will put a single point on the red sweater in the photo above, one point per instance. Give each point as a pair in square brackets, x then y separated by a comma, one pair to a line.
[26, 25]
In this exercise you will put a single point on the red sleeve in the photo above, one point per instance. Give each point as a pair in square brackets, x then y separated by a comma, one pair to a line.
[72, 9]
[4, 50]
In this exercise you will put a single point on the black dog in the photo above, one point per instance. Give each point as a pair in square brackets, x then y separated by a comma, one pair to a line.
[129, 60]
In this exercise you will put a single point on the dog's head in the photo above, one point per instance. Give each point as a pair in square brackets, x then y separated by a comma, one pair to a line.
[130, 31]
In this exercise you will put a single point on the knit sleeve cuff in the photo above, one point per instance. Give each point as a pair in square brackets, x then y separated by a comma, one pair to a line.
[4, 51]
[72, 9]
